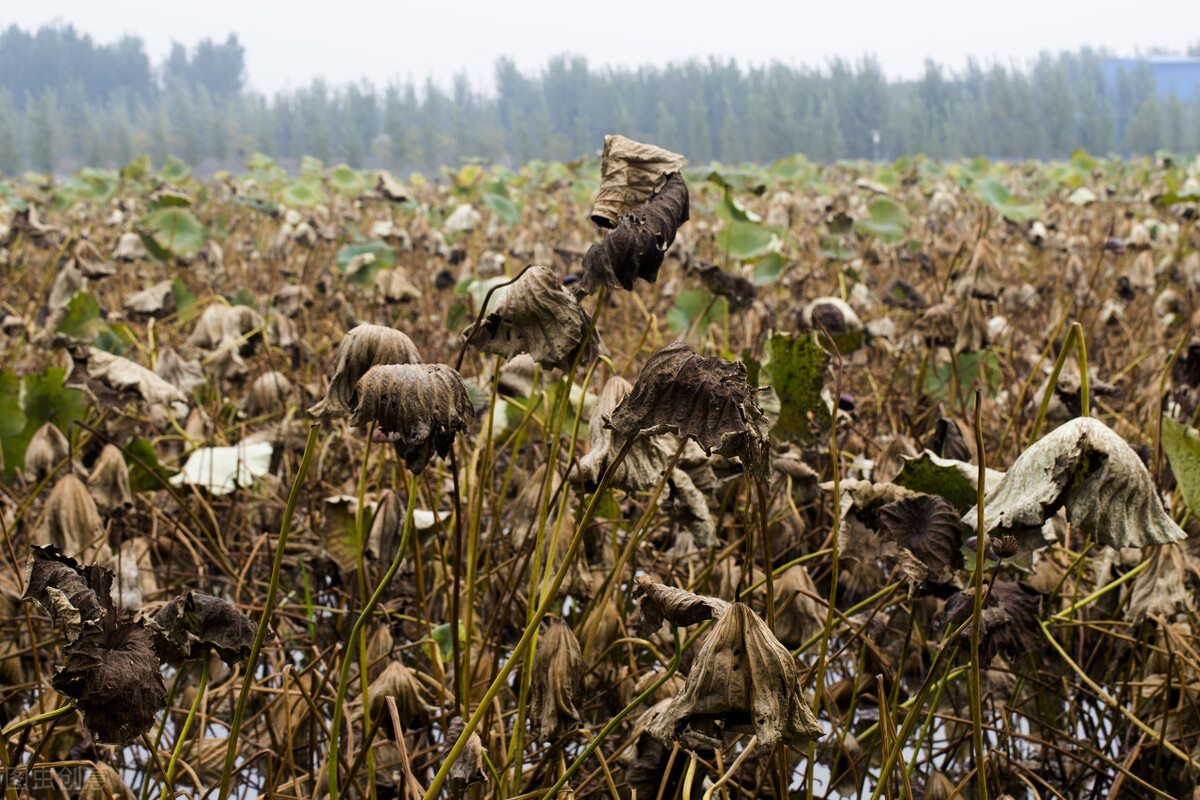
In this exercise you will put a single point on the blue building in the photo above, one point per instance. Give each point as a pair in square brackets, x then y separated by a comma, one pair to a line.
[1173, 75]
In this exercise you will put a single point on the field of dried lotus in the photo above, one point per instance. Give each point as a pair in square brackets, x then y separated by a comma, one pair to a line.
[612, 478]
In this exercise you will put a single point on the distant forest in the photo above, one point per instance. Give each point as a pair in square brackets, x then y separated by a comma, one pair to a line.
[67, 101]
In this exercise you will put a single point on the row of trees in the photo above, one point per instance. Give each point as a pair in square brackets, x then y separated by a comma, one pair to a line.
[708, 110]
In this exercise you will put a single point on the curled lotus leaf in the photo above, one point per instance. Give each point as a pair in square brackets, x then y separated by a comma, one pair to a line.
[1009, 622]
[468, 770]
[365, 346]
[122, 375]
[658, 602]
[539, 317]
[636, 246]
[706, 399]
[1162, 590]
[738, 291]
[742, 681]
[1086, 468]
[67, 591]
[927, 530]
[556, 682]
[630, 173]
[193, 623]
[418, 407]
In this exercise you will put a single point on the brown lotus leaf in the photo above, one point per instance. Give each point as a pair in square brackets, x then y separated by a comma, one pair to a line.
[68, 283]
[737, 291]
[227, 365]
[386, 527]
[413, 703]
[927, 530]
[292, 299]
[526, 508]
[135, 581]
[972, 333]
[104, 783]
[630, 173]
[706, 399]
[222, 327]
[899, 293]
[193, 623]
[390, 188]
[890, 461]
[47, 448]
[468, 769]
[658, 602]
[1086, 468]
[648, 775]
[155, 301]
[831, 313]
[982, 278]
[184, 375]
[939, 325]
[536, 315]
[363, 347]
[556, 681]
[109, 482]
[742, 680]
[268, 394]
[947, 441]
[635, 247]
[90, 262]
[393, 286]
[71, 521]
[26, 221]
[420, 407]
[129, 248]
[798, 614]
[1009, 622]
[1162, 590]
[122, 375]
[670, 687]
[67, 591]
[865, 498]
[687, 505]
[1067, 401]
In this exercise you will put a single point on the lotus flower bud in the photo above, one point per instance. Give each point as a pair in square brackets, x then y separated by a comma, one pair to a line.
[47, 447]
[109, 482]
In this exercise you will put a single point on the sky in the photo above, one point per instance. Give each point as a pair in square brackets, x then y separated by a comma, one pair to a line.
[290, 42]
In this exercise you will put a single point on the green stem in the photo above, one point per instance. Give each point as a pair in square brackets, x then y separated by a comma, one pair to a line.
[260, 637]
[168, 785]
[977, 613]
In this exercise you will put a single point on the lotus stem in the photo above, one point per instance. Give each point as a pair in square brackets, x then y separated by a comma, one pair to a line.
[169, 783]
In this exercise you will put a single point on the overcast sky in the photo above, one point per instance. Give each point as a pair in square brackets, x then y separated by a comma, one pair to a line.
[289, 42]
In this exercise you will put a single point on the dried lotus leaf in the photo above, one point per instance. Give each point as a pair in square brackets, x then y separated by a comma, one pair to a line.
[155, 301]
[184, 375]
[742, 680]
[364, 347]
[635, 247]
[67, 592]
[420, 407]
[192, 623]
[706, 399]
[658, 602]
[536, 315]
[1009, 623]
[928, 531]
[1086, 468]
[71, 521]
[556, 681]
[630, 173]
[1162, 590]
[468, 769]
[123, 375]
[109, 482]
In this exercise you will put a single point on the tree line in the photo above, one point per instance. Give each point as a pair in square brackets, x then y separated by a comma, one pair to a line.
[67, 102]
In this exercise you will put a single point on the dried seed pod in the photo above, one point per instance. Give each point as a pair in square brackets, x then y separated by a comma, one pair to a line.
[420, 406]
[1086, 468]
[630, 173]
[109, 482]
[658, 602]
[742, 680]
[46, 449]
[192, 624]
[268, 394]
[183, 375]
[927, 530]
[706, 399]
[536, 315]
[468, 770]
[71, 522]
[556, 677]
[363, 347]
[635, 247]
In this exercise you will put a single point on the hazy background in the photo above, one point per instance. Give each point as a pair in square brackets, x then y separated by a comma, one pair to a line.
[415, 86]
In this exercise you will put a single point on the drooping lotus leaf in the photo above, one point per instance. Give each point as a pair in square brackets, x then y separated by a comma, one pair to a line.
[67, 591]
[630, 173]
[536, 315]
[636, 246]
[1008, 624]
[658, 602]
[419, 407]
[556, 682]
[736, 290]
[928, 533]
[706, 399]
[192, 623]
[123, 375]
[1086, 468]
[363, 347]
[742, 681]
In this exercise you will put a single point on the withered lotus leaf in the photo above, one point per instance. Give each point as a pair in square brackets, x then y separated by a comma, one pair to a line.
[1086, 468]
[1162, 590]
[742, 680]
[982, 279]
[468, 769]
[223, 326]
[1009, 619]
[630, 173]
[798, 614]
[67, 591]
[648, 457]
[192, 623]
[109, 482]
[556, 681]
[104, 783]
[738, 291]
[365, 346]
[71, 521]
[420, 406]
[927, 530]
[636, 246]
[658, 602]
[155, 301]
[47, 447]
[536, 315]
[412, 698]
[122, 375]
[706, 399]
[184, 375]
